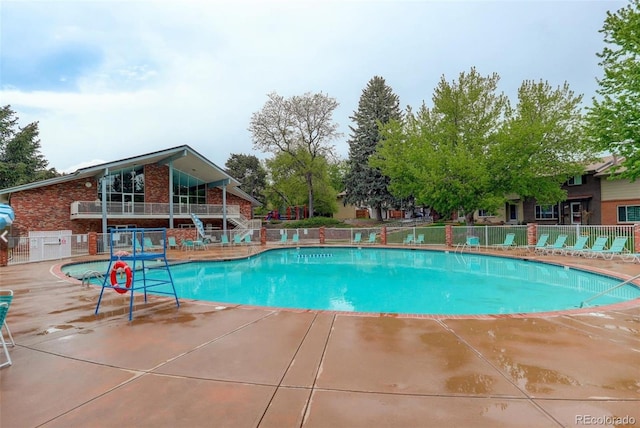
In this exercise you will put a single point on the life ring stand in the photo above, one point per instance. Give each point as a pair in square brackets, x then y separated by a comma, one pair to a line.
[119, 267]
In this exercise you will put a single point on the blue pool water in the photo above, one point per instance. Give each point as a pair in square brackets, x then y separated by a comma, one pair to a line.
[388, 280]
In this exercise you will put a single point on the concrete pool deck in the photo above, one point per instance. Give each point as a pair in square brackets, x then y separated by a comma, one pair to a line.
[211, 365]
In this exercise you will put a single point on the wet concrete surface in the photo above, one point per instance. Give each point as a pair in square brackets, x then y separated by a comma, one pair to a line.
[207, 364]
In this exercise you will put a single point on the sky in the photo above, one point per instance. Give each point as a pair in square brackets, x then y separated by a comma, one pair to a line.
[106, 80]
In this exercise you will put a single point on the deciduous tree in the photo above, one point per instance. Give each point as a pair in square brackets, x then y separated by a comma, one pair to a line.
[288, 188]
[614, 118]
[471, 150]
[439, 155]
[301, 127]
[541, 143]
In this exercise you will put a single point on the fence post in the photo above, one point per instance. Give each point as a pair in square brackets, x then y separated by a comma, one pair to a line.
[263, 236]
[4, 254]
[92, 243]
[532, 234]
[383, 235]
[448, 235]
[321, 234]
[636, 238]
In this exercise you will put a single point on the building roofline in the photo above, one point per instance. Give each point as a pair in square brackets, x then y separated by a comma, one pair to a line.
[144, 159]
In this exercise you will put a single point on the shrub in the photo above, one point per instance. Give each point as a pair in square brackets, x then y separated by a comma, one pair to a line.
[313, 223]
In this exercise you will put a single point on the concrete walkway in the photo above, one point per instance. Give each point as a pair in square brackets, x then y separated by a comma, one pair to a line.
[205, 365]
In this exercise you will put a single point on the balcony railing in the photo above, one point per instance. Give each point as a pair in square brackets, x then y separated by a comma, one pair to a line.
[93, 209]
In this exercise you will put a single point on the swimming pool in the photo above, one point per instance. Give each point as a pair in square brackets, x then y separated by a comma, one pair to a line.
[391, 281]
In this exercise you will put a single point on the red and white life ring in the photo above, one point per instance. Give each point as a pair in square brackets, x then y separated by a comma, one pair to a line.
[120, 267]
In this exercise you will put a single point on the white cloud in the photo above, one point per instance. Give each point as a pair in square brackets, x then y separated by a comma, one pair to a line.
[86, 164]
[192, 72]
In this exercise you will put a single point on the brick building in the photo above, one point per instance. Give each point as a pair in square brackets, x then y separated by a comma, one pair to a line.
[159, 189]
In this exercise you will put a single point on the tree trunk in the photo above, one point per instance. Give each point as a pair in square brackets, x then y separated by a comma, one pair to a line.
[310, 186]
[468, 219]
[379, 212]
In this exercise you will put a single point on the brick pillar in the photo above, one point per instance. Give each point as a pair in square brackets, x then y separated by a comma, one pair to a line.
[322, 235]
[636, 238]
[93, 243]
[448, 235]
[263, 236]
[532, 234]
[4, 254]
[383, 235]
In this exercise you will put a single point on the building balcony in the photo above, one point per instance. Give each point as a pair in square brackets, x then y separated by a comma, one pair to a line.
[145, 210]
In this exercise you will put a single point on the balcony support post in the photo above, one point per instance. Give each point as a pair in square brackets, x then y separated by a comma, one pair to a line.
[171, 194]
[103, 191]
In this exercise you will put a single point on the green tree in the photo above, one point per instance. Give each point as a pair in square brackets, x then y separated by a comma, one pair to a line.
[365, 184]
[471, 150]
[439, 154]
[338, 170]
[301, 127]
[20, 159]
[288, 188]
[614, 118]
[249, 172]
[541, 143]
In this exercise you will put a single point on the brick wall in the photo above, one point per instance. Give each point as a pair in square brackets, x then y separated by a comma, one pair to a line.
[214, 196]
[609, 209]
[156, 183]
[49, 207]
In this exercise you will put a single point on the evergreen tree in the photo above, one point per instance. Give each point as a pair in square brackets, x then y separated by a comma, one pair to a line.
[249, 172]
[20, 159]
[364, 183]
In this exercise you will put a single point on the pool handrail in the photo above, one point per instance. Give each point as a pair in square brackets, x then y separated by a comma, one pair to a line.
[609, 289]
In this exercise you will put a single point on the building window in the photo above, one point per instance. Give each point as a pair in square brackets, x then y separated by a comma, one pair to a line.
[629, 214]
[484, 213]
[575, 180]
[188, 190]
[126, 185]
[546, 212]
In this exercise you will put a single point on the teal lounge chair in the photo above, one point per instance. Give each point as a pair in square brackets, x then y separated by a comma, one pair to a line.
[150, 246]
[508, 242]
[580, 244]
[296, 238]
[224, 240]
[470, 243]
[542, 243]
[172, 242]
[408, 240]
[4, 309]
[237, 240]
[631, 257]
[6, 296]
[420, 239]
[283, 238]
[616, 249]
[357, 238]
[599, 245]
[247, 239]
[372, 238]
[558, 245]
[137, 246]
